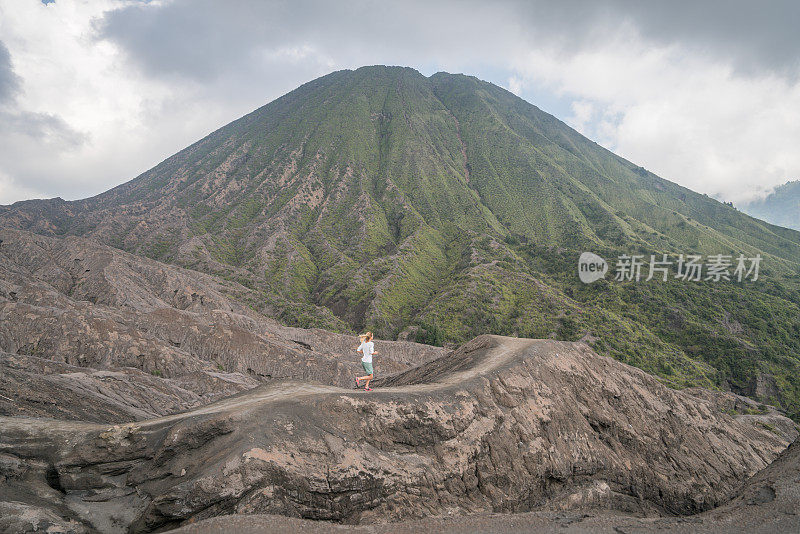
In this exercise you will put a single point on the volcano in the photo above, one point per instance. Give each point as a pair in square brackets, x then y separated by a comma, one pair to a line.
[436, 209]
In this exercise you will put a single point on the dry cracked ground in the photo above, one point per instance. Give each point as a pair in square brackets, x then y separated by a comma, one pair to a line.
[140, 397]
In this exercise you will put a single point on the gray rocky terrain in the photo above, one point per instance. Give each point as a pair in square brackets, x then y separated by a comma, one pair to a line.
[767, 503]
[92, 333]
[501, 425]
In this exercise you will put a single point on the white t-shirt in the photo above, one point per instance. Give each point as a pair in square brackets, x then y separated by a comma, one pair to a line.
[367, 349]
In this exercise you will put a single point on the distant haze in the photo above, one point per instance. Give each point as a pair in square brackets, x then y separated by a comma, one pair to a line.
[93, 93]
[781, 207]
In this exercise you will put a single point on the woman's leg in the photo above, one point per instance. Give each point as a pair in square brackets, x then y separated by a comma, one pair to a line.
[368, 369]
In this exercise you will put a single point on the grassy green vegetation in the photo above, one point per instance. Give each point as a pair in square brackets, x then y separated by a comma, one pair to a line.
[382, 199]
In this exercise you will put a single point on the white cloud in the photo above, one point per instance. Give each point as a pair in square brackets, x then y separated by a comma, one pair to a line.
[687, 117]
[515, 85]
[117, 86]
[582, 115]
[11, 191]
[83, 120]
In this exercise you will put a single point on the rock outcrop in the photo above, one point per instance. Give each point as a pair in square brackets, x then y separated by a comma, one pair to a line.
[768, 503]
[501, 425]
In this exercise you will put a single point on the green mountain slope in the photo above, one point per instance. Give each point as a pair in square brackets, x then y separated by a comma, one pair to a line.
[444, 207]
[781, 207]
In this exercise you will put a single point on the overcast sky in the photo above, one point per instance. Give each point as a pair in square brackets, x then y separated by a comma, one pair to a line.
[94, 92]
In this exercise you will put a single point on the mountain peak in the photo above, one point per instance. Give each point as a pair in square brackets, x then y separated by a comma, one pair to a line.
[436, 208]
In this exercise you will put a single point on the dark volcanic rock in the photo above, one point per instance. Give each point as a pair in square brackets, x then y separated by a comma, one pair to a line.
[501, 425]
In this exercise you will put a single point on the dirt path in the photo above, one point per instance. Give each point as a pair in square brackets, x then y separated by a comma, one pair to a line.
[494, 357]
[496, 417]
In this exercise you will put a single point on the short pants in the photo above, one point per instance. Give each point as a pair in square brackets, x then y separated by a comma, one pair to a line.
[367, 367]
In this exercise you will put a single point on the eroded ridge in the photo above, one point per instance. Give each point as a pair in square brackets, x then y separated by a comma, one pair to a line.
[501, 424]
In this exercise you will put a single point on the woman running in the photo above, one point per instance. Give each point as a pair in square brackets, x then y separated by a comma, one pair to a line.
[367, 349]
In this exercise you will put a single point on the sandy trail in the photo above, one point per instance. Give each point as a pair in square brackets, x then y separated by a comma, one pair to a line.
[494, 357]
[312, 442]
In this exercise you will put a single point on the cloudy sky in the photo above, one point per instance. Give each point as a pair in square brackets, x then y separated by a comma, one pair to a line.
[94, 92]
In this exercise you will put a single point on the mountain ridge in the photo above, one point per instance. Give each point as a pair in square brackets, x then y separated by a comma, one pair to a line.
[502, 425]
[439, 208]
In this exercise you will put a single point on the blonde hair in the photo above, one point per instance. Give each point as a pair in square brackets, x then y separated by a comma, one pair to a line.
[366, 336]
